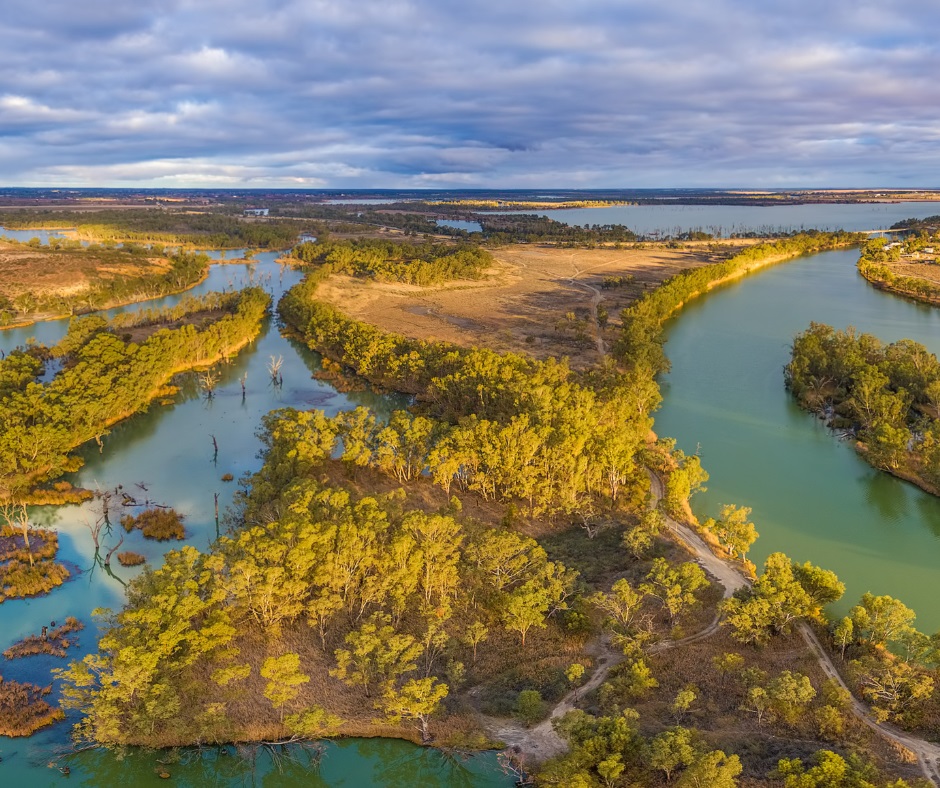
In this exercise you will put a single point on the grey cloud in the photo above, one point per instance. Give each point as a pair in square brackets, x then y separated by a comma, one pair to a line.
[378, 93]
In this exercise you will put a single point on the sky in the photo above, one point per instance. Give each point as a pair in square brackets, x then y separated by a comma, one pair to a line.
[359, 94]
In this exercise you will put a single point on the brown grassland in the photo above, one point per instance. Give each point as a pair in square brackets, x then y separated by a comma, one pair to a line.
[523, 303]
[47, 272]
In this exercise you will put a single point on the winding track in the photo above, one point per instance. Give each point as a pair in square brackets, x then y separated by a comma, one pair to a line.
[928, 753]
[541, 742]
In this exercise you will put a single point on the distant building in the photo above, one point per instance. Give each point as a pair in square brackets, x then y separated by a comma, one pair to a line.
[307, 238]
[256, 211]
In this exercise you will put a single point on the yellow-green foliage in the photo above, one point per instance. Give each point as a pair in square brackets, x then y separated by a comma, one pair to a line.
[502, 425]
[386, 592]
[104, 380]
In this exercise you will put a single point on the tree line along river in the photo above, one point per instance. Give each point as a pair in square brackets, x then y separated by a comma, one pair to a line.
[811, 496]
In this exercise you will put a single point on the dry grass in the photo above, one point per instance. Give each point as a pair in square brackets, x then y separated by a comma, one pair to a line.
[46, 272]
[23, 710]
[52, 642]
[716, 712]
[522, 303]
[929, 271]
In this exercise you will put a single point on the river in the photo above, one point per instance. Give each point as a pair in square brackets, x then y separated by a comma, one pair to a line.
[812, 496]
[166, 455]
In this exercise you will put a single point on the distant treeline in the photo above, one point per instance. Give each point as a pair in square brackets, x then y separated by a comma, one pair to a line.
[929, 224]
[418, 264]
[205, 229]
[103, 380]
[887, 395]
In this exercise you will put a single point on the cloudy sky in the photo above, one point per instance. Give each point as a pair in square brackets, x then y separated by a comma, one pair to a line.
[478, 93]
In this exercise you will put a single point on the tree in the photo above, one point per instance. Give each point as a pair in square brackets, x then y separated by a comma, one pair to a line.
[878, 620]
[783, 594]
[735, 533]
[639, 538]
[675, 586]
[711, 770]
[671, 749]
[284, 679]
[790, 694]
[727, 664]
[683, 702]
[377, 653]
[623, 609]
[842, 633]
[417, 699]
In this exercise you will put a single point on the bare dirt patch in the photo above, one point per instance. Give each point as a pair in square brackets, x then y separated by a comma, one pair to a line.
[527, 300]
[48, 272]
[928, 270]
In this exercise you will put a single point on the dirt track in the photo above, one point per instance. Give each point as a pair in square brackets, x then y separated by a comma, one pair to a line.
[526, 300]
[541, 742]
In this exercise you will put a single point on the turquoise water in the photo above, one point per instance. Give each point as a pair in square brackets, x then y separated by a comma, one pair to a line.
[811, 495]
[166, 455]
[470, 227]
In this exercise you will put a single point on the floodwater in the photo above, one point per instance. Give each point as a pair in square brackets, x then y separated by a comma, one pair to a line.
[166, 455]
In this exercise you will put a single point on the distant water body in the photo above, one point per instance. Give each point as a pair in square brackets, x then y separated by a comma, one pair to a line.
[727, 220]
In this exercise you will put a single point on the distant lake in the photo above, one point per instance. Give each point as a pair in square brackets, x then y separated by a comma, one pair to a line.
[470, 227]
[28, 235]
[726, 220]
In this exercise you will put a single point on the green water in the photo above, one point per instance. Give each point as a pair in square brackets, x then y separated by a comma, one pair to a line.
[811, 496]
[166, 455]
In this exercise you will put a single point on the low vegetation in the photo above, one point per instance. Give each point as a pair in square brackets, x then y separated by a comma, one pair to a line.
[159, 524]
[27, 558]
[53, 642]
[24, 710]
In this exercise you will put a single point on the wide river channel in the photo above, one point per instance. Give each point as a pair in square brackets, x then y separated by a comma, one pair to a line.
[811, 496]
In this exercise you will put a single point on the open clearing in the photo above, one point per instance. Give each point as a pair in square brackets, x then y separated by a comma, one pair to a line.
[536, 299]
[43, 271]
[918, 270]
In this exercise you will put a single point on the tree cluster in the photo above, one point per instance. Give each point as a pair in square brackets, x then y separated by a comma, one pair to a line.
[393, 597]
[103, 380]
[416, 264]
[503, 425]
[886, 395]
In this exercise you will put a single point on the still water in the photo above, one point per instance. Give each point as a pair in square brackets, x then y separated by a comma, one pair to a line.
[811, 496]
[166, 455]
[725, 220]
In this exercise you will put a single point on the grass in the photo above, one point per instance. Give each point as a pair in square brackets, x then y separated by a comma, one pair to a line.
[130, 558]
[23, 710]
[160, 524]
[54, 643]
